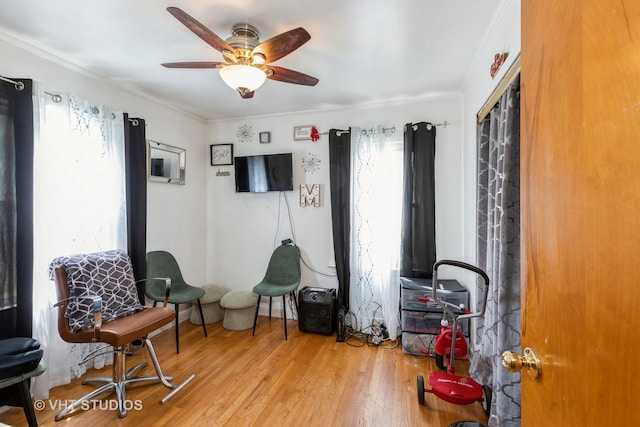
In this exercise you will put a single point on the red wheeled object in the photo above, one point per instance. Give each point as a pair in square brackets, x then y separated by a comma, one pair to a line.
[448, 386]
[452, 388]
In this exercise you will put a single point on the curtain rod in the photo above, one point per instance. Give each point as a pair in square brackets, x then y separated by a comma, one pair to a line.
[499, 90]
[54, 96]
[393, 129]
[341, 131]
[18, 85]
[430, 125]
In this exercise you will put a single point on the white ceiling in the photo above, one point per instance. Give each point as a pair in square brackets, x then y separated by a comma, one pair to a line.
[362, 51]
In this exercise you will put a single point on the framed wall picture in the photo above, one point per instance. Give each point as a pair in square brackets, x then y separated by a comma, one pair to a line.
[221, 154]
[302, 133]
[265, 137]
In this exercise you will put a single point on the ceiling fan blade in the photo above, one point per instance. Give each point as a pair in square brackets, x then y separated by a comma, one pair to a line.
[198, 64]
[283, 44]
[200, 30]
[290, 76]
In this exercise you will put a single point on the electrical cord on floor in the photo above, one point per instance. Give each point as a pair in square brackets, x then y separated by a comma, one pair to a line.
[378, 337]
[360, 339]
[354, 338]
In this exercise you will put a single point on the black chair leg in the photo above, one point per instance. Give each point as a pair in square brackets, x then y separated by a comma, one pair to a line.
[177, 330]
[284, 314]
[204, 326]
[255, 319]
[270, 300]
[27, 404]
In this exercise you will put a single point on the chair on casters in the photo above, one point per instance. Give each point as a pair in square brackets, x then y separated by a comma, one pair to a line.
[98, 302]
[20, 360]
[163, 264]
[282, 278]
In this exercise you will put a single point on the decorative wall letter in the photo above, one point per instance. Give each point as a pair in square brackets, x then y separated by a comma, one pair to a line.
[310, 197]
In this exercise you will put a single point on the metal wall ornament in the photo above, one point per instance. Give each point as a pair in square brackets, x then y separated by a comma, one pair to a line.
[311, 162]
[245, 133]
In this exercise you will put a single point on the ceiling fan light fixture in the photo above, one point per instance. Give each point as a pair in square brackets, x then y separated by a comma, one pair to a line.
[238, 76]
[259, 59]
[247, 60]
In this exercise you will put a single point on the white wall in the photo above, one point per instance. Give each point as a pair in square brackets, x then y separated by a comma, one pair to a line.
[502, 36]
[243, 228]
[176, 214]
[241, 231]
[222, 237]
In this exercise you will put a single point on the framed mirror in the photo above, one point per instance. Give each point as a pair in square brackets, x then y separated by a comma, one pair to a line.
[166, 163]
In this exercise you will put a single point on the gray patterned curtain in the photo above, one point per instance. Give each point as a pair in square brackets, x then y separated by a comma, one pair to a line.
[498, 246]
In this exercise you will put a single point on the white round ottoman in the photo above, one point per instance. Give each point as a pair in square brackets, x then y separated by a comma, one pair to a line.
[239, 310]
[210, 305]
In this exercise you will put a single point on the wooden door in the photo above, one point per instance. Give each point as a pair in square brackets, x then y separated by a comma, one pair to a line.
[580, 139]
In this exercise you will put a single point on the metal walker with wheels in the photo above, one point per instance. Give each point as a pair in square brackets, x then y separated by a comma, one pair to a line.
[451, 343]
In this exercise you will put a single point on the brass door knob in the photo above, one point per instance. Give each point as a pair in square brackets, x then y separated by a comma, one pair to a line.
[529, 360]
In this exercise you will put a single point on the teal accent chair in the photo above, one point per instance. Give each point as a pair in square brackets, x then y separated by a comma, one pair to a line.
[281, 279]
[163, 264]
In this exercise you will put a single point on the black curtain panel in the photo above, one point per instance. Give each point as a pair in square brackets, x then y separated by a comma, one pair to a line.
[340, 185]
[136, 175]
[16, 208]
[418, 250]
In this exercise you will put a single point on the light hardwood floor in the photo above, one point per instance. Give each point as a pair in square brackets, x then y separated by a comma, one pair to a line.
[308, 380]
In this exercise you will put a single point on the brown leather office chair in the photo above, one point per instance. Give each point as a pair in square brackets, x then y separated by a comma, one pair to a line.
[98, 302]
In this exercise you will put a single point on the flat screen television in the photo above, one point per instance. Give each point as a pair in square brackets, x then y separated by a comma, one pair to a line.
[262, 173]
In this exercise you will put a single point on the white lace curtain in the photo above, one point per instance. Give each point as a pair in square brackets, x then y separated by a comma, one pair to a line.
[79, 207]
[375, 228]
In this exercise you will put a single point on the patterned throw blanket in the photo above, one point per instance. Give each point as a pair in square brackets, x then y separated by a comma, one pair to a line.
[108, 275]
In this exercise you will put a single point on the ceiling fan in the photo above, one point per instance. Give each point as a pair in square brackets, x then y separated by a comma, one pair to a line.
[247, 60]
